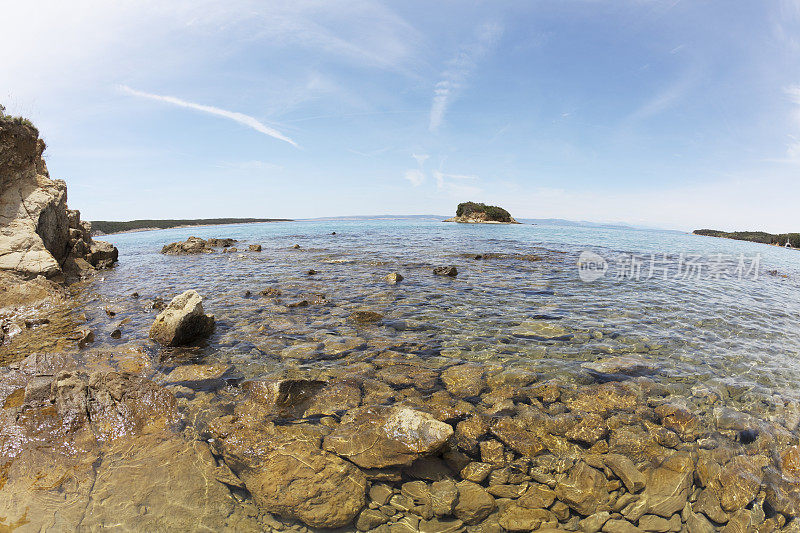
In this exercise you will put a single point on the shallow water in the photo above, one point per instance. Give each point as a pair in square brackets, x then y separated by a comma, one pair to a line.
[729, 332]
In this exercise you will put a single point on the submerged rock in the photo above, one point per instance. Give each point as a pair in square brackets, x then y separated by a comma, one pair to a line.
[254, 247]
[446, 271]
[387, 436]
[183, 321]
[393, 278]
[366, 317]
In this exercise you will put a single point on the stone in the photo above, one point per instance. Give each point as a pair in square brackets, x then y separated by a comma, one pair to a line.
[659, 525]
[517, 518]
[595, 522]
[192, 245]
[370, 519]
[626, 471]
[738, 483]
[450, 271]
[589, 430]
[436, 525]
[288, 398]
[540, 329]
[366, 317]
[622, 366]
[474, 503]
[183, 321]
[102, 254]
[584, 490]
[387, 436]
[517, 436]
[464, 380]
[254, 248]
[708, 504]
[790, 463]
[476, 472]
[679, 420]
[537, 497]
[393, 278]
[443, 497]
[620, 526]
[197, 376]
[669, 485]
[295, 479]
[380, 493]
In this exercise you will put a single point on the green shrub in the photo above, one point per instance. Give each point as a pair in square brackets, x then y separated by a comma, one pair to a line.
[492, 211]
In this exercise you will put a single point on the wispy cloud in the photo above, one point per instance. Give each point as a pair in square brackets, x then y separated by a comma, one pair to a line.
[241, 118]
[453, 184]
[793, 150]
[416, 177]
[458, 71]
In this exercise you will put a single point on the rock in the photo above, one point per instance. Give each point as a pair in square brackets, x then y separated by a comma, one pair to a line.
[443, 497]
[311, 272]
[285, 397]
[366, 317]
[626, 471]
[539, 329]
[595, 522]
[103, 254]
[387, 436]
[183, 321]
[393, 278]
[589, 430]
[584, 490]
[221, 243]
[738, 483]
[660, 525]
[516, 518]
[474, 503]
[476, 472]
[669, 485]
[537, 497]
[370, 519]
[197, 376]
[464, 380]
[39, 236]
[254, 247]
[380, 493]
[478, 213]
[192, 245]
[679, 420]
[445, 271]
[436, 525]
[622, 366]
[620, 526]
[295, 479]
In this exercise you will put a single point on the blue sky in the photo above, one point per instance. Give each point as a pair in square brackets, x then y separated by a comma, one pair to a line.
[671, 114]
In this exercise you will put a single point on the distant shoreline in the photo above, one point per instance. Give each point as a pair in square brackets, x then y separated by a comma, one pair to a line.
[106, 227]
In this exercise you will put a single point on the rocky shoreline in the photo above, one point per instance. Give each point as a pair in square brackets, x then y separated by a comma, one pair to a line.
[345, 431]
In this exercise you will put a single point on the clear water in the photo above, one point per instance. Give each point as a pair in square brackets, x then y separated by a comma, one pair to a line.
[715, 333]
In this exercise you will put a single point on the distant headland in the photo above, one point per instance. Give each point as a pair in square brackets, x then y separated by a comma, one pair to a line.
[790, 240]
[104, 227]
[475, 213]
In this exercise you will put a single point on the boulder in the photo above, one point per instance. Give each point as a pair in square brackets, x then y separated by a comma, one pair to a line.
[446, 271]
[387, 436]
[254, 247]
[393, 278]
[183, 321]
[192, 245]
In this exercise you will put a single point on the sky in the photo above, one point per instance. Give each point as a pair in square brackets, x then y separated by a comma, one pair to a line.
[671, 114]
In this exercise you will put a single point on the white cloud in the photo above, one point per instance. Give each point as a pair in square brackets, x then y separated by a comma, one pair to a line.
[421, 158]
[459, 70]
[241, 118]
[416, 177]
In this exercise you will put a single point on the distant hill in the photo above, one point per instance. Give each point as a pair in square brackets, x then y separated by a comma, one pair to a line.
[779, 239]
[101, 227]
[376, 217]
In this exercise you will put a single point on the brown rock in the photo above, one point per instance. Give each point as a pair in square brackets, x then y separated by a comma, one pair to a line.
[669, 485]
[183, 321]
[584, 490]
[464, 380]
[626, 471]
[387, 436]
[474, 503]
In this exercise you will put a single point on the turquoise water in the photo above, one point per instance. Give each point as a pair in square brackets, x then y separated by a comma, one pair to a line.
[726, 334]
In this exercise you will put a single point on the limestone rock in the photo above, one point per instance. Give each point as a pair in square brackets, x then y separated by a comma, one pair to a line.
[393, 278]
[387, 436]
[584, 490]
[183, 321]
[450, 271]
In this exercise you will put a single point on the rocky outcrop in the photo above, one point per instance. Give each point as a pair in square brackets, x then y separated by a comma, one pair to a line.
[183, 321]
[476, 213]
[196, 245]
[39, 236]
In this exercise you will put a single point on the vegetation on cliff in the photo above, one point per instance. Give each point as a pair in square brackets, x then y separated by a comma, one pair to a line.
[109, 226]
[779, 239]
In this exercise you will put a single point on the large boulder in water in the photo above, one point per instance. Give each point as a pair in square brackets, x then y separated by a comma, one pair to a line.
[182, 321]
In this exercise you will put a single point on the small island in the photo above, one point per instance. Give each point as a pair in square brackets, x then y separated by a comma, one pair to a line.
[476, 213]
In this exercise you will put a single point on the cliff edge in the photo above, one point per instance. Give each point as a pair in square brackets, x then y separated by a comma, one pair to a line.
[39, 235]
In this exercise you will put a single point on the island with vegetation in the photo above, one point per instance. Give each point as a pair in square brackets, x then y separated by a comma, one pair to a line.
[476, 213]
[104, 227]
[780, 239]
